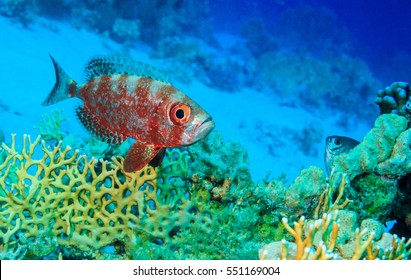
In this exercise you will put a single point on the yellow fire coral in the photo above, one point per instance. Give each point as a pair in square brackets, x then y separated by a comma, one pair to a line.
[82, 202]
[55, 197]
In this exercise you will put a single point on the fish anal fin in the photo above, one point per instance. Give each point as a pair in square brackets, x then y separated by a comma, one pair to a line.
[93, 124]
[139, 156]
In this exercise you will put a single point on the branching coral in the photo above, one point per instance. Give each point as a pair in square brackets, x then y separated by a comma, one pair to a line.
[336, 235]
[63, 204]
[89, 204]
[319, 239]
[1, 136]
[57, 202]
[50, 126]
[81, 202]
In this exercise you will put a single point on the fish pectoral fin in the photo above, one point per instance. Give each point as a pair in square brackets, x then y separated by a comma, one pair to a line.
[93, 124]
[139, 156]
[158, 158]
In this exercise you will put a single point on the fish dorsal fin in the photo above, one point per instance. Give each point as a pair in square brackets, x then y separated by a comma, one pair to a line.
[92, 124]
[114, 65]
[139, 156]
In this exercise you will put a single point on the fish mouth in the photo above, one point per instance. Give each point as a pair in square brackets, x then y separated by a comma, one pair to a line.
[202, 130]
[206, 127]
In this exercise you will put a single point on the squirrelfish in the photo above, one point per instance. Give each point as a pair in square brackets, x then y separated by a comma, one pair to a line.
[124, 98]
[336, 145]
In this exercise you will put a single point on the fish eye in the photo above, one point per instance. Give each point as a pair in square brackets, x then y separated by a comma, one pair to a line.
[180, 113]
[337, 141]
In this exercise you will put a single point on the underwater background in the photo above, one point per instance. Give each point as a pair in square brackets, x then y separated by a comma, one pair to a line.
[276, 76]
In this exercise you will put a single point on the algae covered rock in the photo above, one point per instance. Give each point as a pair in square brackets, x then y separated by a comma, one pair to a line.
[372, 225]
[374, 196]
[399, 162]
[223, 164]
[375, 168]
[375, 148]
[348, 223]
[303, 195]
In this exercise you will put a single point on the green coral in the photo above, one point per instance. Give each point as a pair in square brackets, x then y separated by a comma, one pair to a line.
[375, 166]
[303, 195]
[375, 148]
[231, 161]
[374, 196]
[50, 126]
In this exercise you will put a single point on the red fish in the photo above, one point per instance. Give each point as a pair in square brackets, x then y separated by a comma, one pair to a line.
[124, 98]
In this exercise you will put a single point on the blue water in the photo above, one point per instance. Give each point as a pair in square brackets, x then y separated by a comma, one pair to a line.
[379, 29]
[277, 76]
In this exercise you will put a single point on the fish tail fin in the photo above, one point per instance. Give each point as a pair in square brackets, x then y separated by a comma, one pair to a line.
[64, 88]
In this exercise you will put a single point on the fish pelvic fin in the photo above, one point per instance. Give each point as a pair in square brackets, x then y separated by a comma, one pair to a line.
[63, 89]
[139, 156]
[95, 126]
[158, 158]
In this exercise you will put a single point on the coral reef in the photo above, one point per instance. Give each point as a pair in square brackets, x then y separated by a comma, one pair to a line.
[124, 21]
[58, 203]
[20, 10]
[64, 204]
[318, 31]
[229, 164]
[125, 29]
[63, 195]
[341, 82]
[374, 149]
[395, 99]
[375, 168]
[322, 239]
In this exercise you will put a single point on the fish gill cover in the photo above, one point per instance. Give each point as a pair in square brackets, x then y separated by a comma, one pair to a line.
[276, 81]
